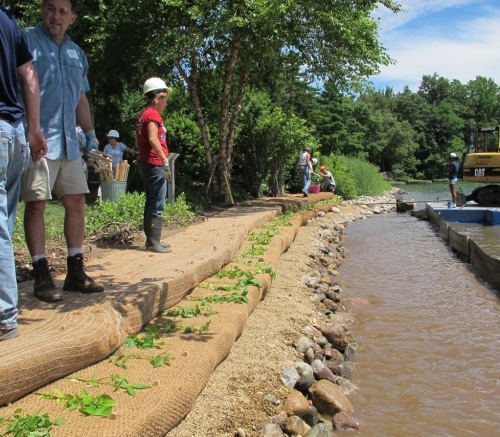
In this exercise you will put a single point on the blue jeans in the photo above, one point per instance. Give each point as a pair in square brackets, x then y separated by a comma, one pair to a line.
[14, 155]
[155, 186]
[305, 177]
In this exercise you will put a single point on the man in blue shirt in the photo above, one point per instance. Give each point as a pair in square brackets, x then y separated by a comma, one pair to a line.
[15, 61]
[62, 70]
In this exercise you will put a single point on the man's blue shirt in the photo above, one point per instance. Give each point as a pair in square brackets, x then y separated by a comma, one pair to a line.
[62, 73]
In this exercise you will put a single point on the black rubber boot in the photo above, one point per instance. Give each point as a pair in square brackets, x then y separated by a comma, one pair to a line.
[152, 228]
[146, 231]
[44, 287]
[77, 279]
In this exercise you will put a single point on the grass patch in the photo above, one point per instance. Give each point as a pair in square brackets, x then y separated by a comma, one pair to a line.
[105, 217]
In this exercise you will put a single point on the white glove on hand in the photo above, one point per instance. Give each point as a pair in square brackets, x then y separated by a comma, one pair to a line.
[166, 170]
[91, 141]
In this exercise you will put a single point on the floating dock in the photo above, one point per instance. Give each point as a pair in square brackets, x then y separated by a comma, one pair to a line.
[469, 213]
[483, 259]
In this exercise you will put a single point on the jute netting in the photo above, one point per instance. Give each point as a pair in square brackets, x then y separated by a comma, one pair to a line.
[78, 335]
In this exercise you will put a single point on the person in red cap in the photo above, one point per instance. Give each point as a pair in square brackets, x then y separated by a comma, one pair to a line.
[330, 181]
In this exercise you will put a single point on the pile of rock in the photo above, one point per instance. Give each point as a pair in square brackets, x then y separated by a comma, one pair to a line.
[321, 381]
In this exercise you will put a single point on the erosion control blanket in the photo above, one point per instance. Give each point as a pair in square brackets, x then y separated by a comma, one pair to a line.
[78, 335]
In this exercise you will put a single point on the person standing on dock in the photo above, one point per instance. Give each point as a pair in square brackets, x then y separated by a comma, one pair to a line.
[452, 168]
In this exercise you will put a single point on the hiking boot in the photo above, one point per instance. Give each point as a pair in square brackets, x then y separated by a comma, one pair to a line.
[305, 193]
[7, 334]
[77, 279]
[44, 287]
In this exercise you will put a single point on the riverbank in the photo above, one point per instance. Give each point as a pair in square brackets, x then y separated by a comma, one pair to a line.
[246, 391]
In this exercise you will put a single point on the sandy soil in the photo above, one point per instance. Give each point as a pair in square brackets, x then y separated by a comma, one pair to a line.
[234, 396]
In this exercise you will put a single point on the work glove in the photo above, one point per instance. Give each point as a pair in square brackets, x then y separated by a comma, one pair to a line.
[293, 173]
[166, 170]
[91, 143]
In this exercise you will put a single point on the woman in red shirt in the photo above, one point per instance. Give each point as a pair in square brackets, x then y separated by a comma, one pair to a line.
[151, 141]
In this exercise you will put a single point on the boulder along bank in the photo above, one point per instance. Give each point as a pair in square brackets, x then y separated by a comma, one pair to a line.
[290, 374]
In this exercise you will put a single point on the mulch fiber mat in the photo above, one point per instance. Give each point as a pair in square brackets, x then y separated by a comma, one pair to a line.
[77, 336]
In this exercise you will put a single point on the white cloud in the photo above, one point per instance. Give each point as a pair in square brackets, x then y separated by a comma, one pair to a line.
[456, 51]
[417, 8]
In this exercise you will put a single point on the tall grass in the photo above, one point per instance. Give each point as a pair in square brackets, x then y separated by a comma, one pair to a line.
[354, 177]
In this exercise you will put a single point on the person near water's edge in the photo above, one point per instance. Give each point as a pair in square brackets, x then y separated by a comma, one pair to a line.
[62, 69]
[328, 178]
[304, 165]
[15, 64]
[452, 168]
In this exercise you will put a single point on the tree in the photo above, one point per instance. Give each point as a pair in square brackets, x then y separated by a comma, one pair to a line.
[227, 40]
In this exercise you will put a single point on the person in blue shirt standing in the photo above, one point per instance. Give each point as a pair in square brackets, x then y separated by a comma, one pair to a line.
[62, 70]
[452, 168]
[15, 62]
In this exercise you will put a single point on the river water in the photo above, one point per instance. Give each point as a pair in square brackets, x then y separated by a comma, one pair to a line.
[427, 329]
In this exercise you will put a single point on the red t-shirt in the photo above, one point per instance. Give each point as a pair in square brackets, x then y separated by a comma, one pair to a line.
[146, 152]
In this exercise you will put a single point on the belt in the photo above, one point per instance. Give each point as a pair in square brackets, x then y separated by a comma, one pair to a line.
[303, 166]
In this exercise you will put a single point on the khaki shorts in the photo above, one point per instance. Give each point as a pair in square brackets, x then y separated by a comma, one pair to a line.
[59, 176]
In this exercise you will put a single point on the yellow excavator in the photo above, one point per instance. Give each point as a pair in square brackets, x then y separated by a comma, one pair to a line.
[483, 165]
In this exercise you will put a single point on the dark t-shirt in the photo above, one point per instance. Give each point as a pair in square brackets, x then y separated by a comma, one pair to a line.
[13, 53]
[453, 170]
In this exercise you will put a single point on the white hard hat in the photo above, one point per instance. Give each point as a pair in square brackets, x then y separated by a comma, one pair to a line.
[155, 84]
[453, 155]
[113, 134]
[314, 161]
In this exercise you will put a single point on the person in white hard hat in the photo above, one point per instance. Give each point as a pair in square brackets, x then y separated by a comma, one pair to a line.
[115, 149]
[452, 168]
[152, 162]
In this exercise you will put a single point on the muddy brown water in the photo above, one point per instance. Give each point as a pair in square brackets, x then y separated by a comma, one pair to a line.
[428, 361]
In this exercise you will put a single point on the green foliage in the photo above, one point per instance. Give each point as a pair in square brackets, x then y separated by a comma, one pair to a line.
[29, 425]
[235, 297]
[180, 213]
[128, 209]
[355, 177]
[120, 360]
[54, 223]
[147, 340]
[284, 219]
[189, 312]
[253, 251]
[116, 381]
[186, 329]
[262, 267]
[101, 405]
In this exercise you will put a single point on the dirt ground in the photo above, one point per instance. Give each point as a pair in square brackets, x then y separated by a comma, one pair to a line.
[235, 394]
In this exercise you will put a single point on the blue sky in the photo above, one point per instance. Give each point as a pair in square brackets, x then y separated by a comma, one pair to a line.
[457, 39]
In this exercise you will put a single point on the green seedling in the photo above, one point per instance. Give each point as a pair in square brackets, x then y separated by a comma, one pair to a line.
[29, 425]
[189, 312]
[120, 360]
[101, 405]
[262, 267]
[116, 381]
[253, 251]
[226, 298]
[147, 340]
[171, 327]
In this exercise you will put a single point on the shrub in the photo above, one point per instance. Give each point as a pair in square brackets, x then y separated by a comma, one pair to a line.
[354, 177]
